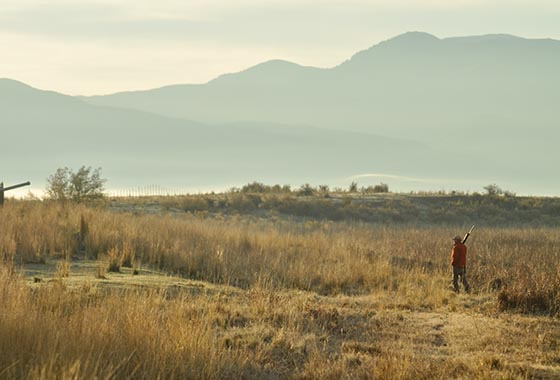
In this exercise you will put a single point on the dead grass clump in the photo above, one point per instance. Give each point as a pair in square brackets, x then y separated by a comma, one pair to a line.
[360, 347]
[541, 301]
[328, 318]
[531, 293]
[496, 284]
[287, 351]
[127, 255]
[113, 260]
[101, 269]
[350, 366]
[63, 269]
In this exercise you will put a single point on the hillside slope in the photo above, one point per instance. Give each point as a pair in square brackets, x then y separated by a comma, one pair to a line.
[413, 85]
[491, 98]
[45, 130]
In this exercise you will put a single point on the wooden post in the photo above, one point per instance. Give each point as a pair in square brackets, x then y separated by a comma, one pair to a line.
[4, 189]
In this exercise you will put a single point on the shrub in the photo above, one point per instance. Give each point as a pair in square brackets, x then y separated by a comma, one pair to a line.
[306, 190]
[255, 187]
[84, 185]
[381, 188]
[113, 260]
[493, 189]
[531, 292]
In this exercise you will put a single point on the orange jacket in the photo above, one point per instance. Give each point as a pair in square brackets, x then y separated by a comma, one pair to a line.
[459, 255]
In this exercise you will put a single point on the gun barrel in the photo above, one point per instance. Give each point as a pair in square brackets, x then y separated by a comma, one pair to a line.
[468, 234]
[16, 186]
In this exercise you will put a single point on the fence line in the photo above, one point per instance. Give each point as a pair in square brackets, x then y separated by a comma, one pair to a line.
[147, 191]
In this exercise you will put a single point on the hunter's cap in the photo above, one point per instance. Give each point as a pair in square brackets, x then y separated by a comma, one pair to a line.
[457, 238]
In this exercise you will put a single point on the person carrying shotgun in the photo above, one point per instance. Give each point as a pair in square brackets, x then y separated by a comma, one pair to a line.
[459, 262]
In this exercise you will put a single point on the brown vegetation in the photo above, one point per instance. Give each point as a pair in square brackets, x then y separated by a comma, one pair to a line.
[302, 300]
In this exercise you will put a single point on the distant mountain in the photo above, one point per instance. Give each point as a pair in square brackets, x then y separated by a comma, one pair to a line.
[492, 97]
[414, 85]
[42, 131]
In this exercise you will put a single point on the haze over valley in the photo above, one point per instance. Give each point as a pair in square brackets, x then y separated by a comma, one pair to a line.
[428, 113]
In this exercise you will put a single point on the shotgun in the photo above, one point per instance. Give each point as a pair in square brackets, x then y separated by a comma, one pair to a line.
[468, 234]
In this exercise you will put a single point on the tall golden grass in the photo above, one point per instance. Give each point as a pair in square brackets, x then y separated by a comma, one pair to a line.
[56, 333]
[308, 306]
[325, 257]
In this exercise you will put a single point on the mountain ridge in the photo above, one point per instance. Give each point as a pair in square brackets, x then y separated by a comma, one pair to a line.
[496, 90]
[453, 73]
[492, 95]
[424, 36]
[133, 145]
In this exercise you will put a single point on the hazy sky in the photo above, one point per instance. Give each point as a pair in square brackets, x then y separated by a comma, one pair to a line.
[103, 46]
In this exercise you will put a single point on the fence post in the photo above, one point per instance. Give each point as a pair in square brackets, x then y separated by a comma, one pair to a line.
[4, 189]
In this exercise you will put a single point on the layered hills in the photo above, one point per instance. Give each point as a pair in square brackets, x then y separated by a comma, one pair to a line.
[471, 109]
[44, 130]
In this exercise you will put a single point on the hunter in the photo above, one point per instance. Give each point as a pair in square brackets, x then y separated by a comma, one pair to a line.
[459, 263]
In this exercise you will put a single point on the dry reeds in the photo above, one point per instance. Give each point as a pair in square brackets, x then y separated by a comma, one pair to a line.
[325, 257]
[56, 333]
[310, 300]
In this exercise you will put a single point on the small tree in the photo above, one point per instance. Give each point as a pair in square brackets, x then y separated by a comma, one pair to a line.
[353, 188]
[255, 187]
[381, 188]
[306, 189]
[58, 184]
[84, 185]
[493, 190]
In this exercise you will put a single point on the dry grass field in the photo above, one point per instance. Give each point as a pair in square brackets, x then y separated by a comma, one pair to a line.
[94, 293]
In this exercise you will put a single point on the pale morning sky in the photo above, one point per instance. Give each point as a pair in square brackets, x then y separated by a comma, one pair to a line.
[103, 46]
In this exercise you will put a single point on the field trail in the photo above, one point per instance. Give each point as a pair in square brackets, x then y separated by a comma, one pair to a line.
[448, 334]
[519, 345]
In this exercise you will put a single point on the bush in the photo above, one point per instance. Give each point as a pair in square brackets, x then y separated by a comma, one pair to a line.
[84, 185]
[493, 190]
[531, 292]
[306, 189]
[255, 187]
[381, 188]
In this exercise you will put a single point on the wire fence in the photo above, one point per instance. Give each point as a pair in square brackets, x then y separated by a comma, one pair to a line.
[148, 191]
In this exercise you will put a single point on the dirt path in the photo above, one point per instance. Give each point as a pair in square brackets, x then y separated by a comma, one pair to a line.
[516, 344]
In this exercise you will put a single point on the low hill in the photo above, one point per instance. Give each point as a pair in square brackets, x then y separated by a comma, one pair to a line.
[45, 130]
[308, 204]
